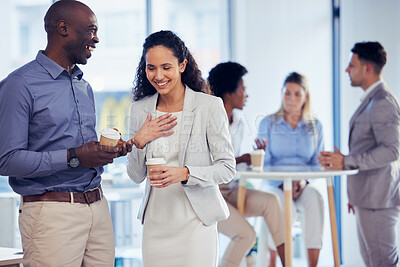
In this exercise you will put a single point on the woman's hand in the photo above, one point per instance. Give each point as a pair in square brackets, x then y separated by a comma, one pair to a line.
[169, 175]
[152, 129]
[298, 187]
[261, 144]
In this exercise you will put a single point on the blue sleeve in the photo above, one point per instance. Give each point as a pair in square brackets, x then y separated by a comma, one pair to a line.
[314, 160]
[16, 111]
[264, 131]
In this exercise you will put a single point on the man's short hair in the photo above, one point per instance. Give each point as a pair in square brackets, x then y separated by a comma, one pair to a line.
[371, 52]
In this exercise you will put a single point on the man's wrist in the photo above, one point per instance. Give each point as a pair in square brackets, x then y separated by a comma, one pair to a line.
[73, 160]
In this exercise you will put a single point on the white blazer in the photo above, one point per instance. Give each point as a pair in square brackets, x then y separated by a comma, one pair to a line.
[205, 149]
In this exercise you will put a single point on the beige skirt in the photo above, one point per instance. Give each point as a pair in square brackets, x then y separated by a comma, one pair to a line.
[173, 235]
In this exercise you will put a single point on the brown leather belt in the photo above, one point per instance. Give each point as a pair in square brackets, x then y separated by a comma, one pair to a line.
[87, 197]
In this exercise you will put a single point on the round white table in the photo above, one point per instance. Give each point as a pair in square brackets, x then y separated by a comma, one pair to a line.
[287, 174]
[10, 257]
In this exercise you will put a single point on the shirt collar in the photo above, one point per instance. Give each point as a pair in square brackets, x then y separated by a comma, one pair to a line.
[370, 89]
[282, 121]
[53, 68]
[235, 119]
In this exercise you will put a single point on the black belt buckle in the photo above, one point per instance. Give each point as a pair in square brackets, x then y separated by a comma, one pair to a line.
[86, 198]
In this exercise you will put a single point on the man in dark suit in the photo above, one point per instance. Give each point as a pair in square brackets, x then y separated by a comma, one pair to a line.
[374, 142]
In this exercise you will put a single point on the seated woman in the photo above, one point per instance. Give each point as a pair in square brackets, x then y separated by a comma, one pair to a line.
[226, 82]
[295, 138]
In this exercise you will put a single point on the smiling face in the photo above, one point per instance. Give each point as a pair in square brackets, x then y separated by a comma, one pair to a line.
[163, 69]
[83, 37]
[294, 98]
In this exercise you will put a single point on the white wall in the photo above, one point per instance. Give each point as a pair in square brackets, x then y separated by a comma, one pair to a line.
[5, 31]
[364, 20]
[273, 38]
[8, 224]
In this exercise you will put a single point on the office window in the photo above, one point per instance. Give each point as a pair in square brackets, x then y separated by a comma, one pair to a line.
[22, 31]
[202, 25]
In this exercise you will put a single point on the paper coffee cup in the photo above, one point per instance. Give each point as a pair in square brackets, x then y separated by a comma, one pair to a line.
[153, 163]
[257, 159]
[109, 137]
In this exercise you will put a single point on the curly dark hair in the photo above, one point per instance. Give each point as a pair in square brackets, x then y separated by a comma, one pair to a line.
[190, 77]
[225, 78]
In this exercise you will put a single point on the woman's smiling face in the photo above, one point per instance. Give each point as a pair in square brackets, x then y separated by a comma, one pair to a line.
[163, 69]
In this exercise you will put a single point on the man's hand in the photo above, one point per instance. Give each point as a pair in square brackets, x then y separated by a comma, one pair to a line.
[94, 155]
[244, 158]
[331, 160]
[298, 188]
[350, 208]
[123, 147]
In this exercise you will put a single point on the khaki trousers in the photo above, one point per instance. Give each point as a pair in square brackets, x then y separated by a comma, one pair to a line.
[66, 234]
[243, 237]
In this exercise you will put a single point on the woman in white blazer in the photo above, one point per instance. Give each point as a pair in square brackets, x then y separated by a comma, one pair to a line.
[181, 205]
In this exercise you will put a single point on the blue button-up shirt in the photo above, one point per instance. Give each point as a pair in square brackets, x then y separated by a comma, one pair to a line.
[43, 112]
[288, 146]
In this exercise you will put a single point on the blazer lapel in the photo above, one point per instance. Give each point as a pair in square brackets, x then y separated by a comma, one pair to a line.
[362, 106]
[188, 117]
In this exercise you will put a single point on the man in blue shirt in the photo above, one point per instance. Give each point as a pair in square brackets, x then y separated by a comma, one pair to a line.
[49, 147]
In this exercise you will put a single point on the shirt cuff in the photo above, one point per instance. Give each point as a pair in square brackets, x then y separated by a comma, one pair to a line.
[189, 181]
[349, 163]
[59, 160]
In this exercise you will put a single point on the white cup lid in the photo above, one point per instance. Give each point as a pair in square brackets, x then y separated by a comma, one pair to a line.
[155, 161]
[110, 133]
[258, 152]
